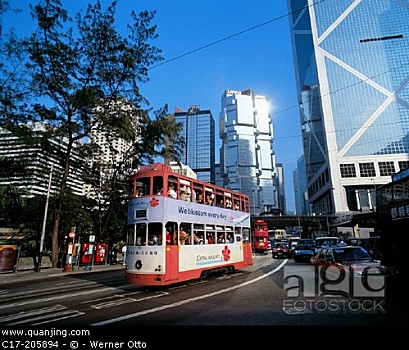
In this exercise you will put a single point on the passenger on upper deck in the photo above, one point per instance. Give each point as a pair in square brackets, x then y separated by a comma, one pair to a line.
[209, 199]
[185, 193]
[200, 198]
[158, 191]
[172, 192]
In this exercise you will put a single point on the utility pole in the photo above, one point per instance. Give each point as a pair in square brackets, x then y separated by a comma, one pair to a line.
[45, 221]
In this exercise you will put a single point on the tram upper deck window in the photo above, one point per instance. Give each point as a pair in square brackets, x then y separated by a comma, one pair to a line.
[197, 193]
[209, 196]
[172, 189]
[185, 191]
[220, 202]
[143, 187]
[131, 190]
[158, 185]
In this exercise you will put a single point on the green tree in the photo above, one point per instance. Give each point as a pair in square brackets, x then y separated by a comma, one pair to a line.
[74, 72]
[12, 200]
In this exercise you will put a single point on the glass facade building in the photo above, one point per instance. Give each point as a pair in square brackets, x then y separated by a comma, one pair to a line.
[199, 133]
[352, 75]
[247, 162]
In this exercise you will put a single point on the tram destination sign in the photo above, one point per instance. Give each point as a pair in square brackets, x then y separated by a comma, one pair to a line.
[140, 214]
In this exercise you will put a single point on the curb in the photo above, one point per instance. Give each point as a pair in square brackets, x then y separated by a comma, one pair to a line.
[46, 273]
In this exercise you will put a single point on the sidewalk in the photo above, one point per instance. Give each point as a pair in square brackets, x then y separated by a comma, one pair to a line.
[47, 272]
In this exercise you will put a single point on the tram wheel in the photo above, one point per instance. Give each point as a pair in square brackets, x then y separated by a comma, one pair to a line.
[204, 274]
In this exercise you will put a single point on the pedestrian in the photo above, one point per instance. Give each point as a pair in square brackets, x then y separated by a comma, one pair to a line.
[114, 253]
[124, 255]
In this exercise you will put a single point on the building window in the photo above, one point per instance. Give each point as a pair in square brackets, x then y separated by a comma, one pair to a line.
[386, 168]
[404, 164]
[347, 170]
[367, 169]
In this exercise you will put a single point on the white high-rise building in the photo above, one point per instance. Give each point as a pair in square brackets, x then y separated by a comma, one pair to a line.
[38, 162]
[247, 161]
[113, 151]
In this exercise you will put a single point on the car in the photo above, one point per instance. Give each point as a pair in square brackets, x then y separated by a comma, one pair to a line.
[350, 271]
[303, 252]
[280, 250]
[350, 258]
[325, 242]
[306, 241]
[371, 244]
[293, 242]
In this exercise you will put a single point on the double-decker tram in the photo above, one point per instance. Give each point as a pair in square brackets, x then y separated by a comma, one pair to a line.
[180, 228]
[260, 239]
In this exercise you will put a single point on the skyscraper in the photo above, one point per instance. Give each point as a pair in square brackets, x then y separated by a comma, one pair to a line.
[199, 134]
[280, 186]
[352, 74]
[247, 162]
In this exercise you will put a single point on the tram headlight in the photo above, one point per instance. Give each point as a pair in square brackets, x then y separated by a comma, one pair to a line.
[138, 264]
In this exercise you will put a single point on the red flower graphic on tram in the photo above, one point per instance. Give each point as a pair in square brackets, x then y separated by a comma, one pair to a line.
[226, 253]
[154, 202]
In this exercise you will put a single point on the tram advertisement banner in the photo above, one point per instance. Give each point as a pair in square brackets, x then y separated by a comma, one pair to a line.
[162, 208]
[8, 255]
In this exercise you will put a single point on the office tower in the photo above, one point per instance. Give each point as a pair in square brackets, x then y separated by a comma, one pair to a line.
[280, 186]
[300, 188]
[247, 162]
[199, 134]
[352, 73]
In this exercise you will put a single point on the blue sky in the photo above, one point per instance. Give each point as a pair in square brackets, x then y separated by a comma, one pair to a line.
[224, 44]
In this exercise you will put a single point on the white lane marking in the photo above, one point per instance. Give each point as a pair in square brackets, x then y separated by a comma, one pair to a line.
[201, 297]
[41, 316]
[25, 314]
[62, 296]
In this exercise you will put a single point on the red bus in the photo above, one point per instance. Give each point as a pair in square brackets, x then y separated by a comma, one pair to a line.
[180, 228]
[260, 239]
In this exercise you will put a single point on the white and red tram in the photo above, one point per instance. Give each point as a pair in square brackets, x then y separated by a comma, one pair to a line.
[171, 240]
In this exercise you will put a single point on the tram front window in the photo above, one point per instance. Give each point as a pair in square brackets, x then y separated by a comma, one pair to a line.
[140, 234]
[155, 233]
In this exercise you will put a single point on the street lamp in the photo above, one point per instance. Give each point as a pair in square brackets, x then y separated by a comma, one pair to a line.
[44, 221]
